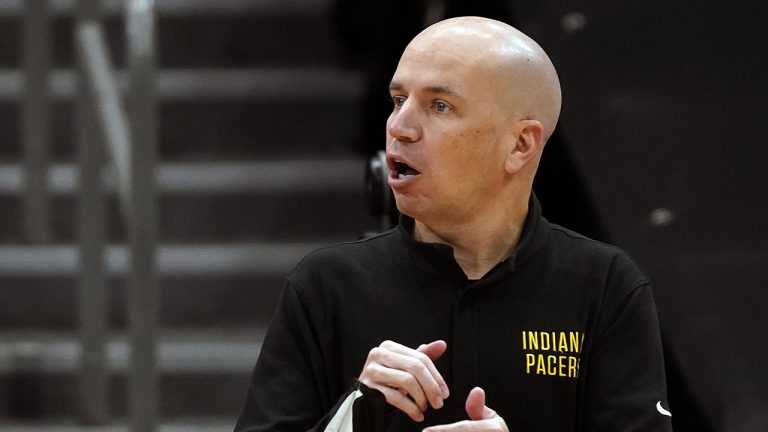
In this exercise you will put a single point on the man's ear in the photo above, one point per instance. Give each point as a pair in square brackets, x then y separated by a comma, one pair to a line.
[530, 141]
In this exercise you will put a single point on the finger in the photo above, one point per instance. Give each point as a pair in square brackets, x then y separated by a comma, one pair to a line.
[490, 425]
[385, 368]
[433, 350]
[482, 417]
[464, 425]
[421, 367]
[475, 405]
[415, 378]
[495, 424]
[398, 380]
[432, 382]
[402, 402]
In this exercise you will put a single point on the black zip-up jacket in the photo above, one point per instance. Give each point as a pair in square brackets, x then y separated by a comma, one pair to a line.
[562, 336]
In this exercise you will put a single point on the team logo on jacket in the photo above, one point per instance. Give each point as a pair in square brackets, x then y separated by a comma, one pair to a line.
[552, 353]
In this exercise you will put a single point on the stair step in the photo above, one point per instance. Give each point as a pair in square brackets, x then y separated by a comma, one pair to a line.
[200, 374]
[310, 216]
[185, 302]
[214, 130]
[54, 397]
[185, 7]
[213, 178]
[54, 261]
[186, 352]
[262, 84]
[275, 113]
[210, 40]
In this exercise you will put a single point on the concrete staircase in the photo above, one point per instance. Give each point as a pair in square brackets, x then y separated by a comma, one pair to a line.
[258, 166]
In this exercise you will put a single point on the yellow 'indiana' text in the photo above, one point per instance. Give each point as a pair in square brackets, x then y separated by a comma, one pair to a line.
[553, 341]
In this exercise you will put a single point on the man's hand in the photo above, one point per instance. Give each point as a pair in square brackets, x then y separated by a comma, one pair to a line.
[407, 377]
[482, 417]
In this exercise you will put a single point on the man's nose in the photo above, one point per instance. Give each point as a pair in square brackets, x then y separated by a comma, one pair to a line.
[403, 123]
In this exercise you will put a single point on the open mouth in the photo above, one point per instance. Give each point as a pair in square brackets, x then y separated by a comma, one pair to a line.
[402, 170]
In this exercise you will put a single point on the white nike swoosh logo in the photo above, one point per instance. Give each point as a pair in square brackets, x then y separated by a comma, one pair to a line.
[661, 410]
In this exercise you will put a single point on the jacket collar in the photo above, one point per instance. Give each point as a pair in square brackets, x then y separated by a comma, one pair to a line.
[438, 258]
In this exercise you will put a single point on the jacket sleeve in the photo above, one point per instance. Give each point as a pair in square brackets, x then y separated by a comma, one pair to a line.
[288, 391]
[625, 386]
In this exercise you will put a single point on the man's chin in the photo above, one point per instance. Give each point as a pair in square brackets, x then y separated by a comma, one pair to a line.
[419, 209]
[409, 206]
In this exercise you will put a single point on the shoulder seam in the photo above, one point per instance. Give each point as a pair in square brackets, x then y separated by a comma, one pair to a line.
[577, 236]
[335, 245]
[623, 304]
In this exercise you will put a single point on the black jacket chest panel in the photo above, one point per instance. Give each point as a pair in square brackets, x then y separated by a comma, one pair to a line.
[523, 332]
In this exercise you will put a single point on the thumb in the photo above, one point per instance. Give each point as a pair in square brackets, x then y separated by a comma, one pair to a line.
[433, 350]
[475, 405]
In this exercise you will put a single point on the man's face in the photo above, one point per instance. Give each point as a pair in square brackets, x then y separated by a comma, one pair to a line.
[446, 133]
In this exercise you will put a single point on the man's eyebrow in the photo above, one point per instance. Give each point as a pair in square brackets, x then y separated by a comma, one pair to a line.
[394, 85]
[441, 90]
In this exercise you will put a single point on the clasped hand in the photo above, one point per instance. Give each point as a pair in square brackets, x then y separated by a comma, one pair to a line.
[410, 382]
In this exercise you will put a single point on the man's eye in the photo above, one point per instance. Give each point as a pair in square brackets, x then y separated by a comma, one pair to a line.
[398, 100]
[441, 107]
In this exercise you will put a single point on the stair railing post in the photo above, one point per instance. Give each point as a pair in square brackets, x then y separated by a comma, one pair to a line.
[143, 295]
[91, 220]
[36, 120]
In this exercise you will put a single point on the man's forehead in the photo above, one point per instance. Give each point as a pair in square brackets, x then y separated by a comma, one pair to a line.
[440, 71]
[437, 89]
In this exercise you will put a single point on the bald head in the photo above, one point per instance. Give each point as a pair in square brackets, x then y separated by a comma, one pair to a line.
[474, 101]
[521, 72]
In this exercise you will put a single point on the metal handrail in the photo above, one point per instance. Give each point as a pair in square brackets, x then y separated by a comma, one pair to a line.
[129, 138]
[92, 304]
[101, 82]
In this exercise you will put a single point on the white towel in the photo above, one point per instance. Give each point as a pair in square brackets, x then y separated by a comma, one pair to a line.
[342, 421]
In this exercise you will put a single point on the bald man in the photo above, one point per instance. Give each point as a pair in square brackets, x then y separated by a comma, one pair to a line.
[475, 313]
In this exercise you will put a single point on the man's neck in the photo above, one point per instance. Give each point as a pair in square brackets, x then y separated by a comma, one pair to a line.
[480, 244]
